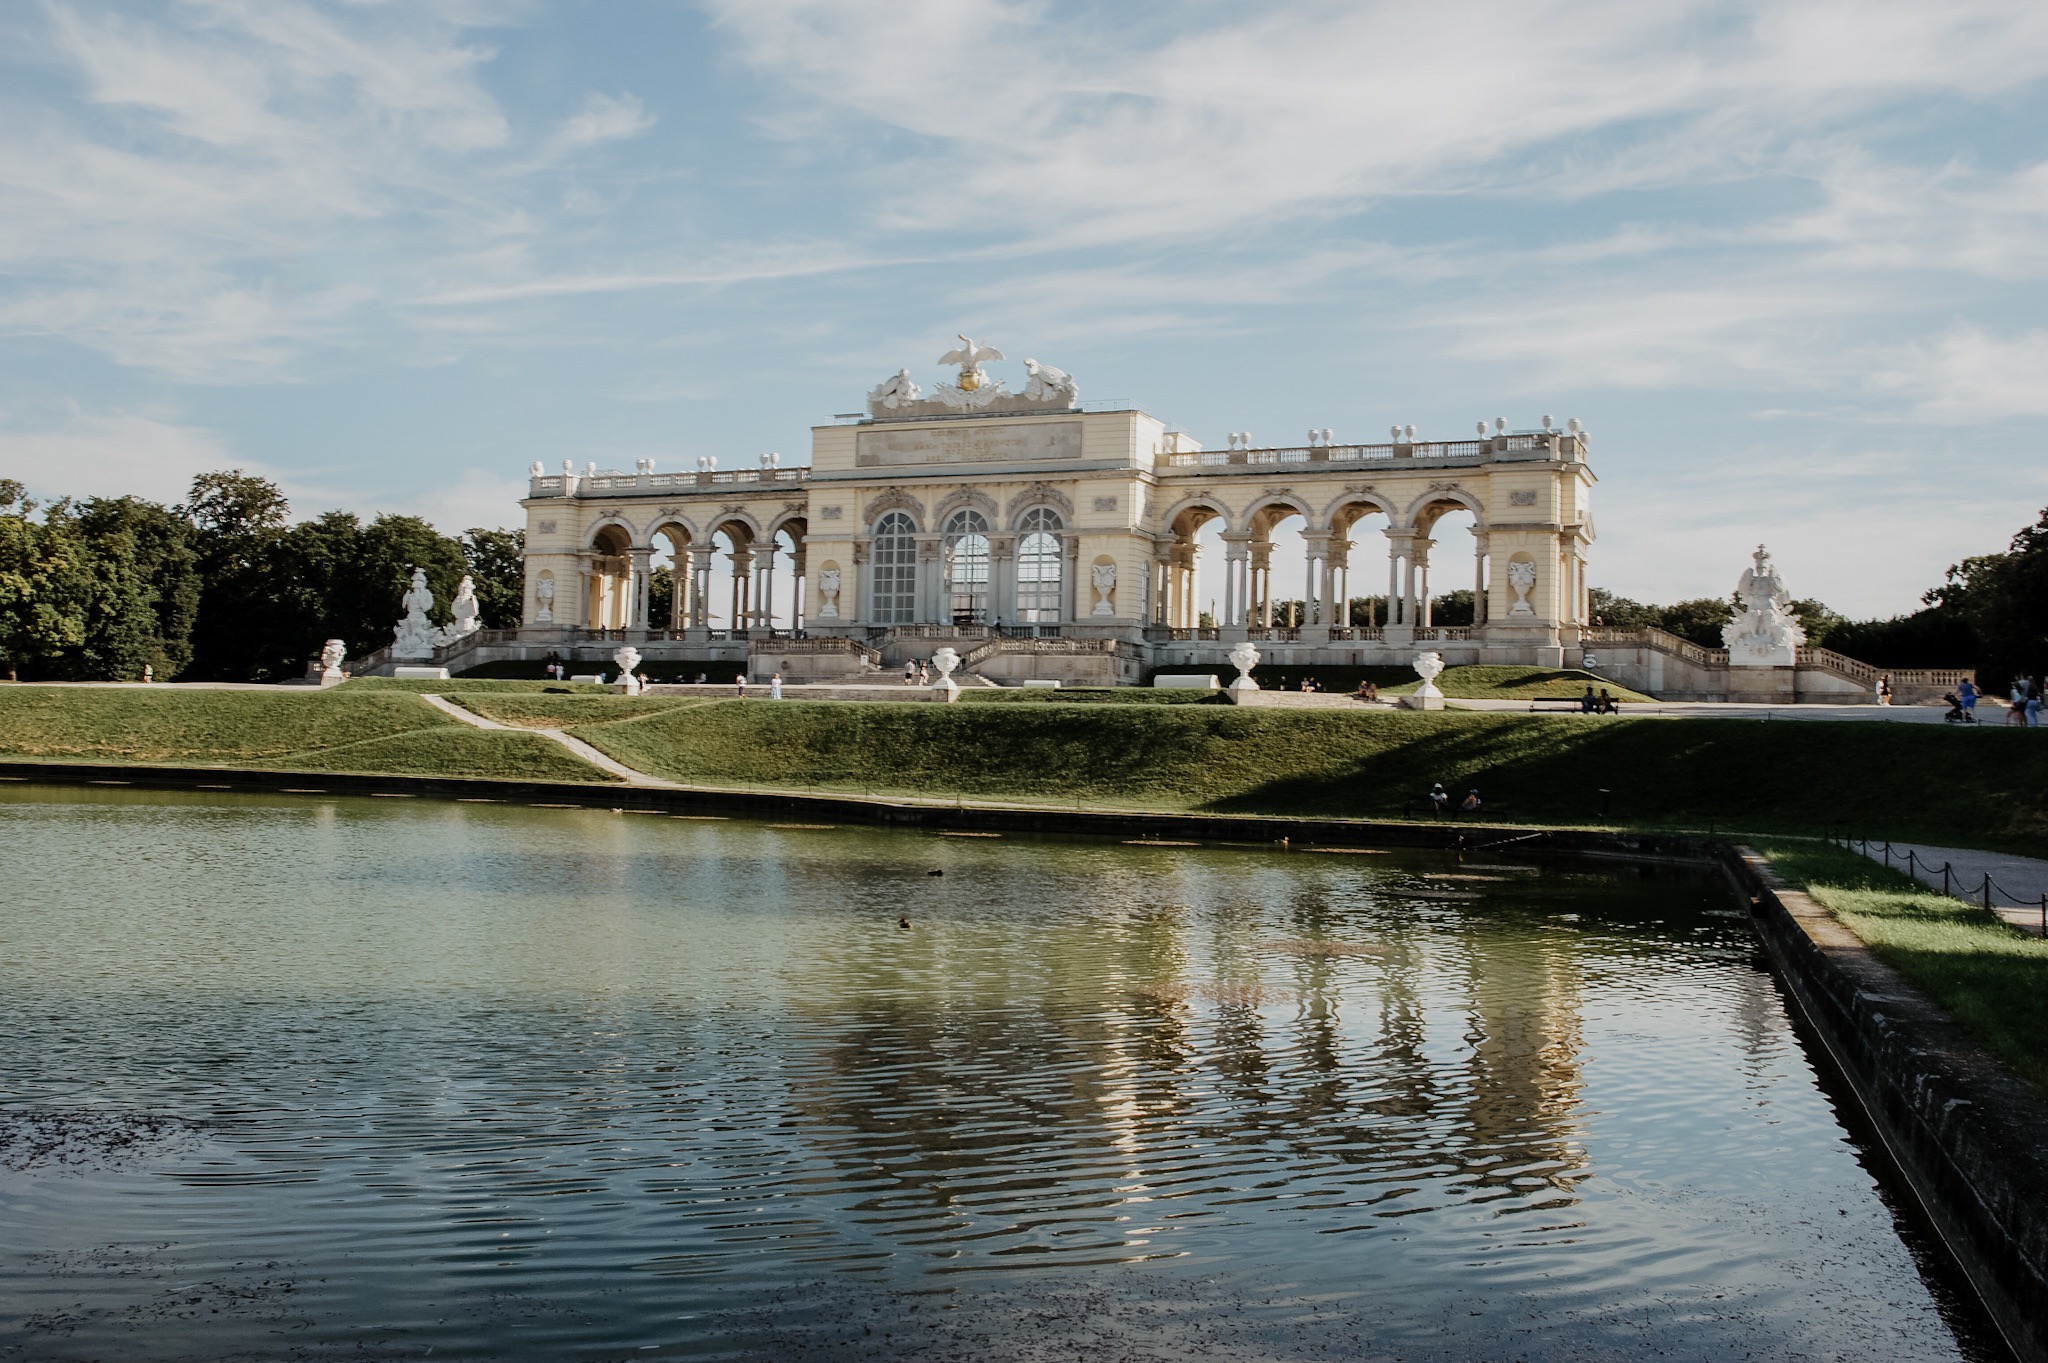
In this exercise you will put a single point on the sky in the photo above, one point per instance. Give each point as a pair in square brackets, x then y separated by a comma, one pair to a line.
[1784, 260]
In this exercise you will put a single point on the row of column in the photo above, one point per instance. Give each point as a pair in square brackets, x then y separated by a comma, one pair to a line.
[618, 595]
[1248, 581]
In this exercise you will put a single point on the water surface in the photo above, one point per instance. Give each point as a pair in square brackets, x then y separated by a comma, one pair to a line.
[303, 1078]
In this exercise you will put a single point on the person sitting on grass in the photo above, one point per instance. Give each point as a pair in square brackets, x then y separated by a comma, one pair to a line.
[1470, 804]
[1439, 800]
[1587, 702]
[1606, 705]
[1367, 692]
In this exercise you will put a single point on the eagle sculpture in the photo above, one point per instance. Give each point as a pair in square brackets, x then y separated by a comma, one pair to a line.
[969, 357]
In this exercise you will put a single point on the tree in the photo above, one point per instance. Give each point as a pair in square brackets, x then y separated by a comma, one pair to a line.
[2005, 599]
[45, 584]
[153, 570]
[661, 596]
[237, 520]
[1822, 625]
[1622, 613]
[497, 563]
[1699, 620]
[1452, 609]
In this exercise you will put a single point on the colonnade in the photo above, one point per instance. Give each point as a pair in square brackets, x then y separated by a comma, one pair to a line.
[1248, 597]
[617, 588]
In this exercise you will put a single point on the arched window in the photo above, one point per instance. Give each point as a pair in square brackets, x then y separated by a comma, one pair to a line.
[966, 550]
[1039, 564]
[894, 570]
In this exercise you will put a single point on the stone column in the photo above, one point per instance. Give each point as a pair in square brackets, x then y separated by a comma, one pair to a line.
[799, 579]
[1236, 585]
[742, 564]
[642, 561]
[764, 574]
[1399, 627]
[1481, 607]
[1261, 552]
[1421, 610]
[932, 607]
[1002, 579]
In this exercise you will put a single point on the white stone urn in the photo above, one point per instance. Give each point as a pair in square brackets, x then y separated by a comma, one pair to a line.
[628, 658]
[333, 654]
[1244, 658]
[1428, 666]
[945, 660]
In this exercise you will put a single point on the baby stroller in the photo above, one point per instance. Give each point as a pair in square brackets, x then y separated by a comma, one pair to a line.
[1956, 713]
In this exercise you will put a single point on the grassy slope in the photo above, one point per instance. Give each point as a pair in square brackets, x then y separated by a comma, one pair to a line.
[1740, 774]
[475, 686]
[342, 729]
[1520, 683]
[557, 712]
[451, 750]
[1990, 976]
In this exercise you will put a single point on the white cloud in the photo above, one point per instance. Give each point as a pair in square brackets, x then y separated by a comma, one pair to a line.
[113, 455]
[604, 119]
[1970, 375]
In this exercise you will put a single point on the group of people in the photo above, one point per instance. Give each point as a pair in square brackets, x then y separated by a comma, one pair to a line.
[1440, 801]
[917, 672]
[2026, 702]
[740, 685]
[1602, 704]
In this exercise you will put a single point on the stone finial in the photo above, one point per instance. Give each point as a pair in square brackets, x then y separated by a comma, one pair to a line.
[1500, 425]
[1549, 422]
[1482, 430]
[1411, 435]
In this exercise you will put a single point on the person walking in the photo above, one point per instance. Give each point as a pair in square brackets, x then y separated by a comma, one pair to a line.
[1884, 688]
[740, 683]
[2016, 707]
[2034, 704]
[909, 672]
[775, 686]
[1966, 699]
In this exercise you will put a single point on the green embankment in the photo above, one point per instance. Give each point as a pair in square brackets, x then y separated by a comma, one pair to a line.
[1989, 975]
[561, 712]
[476, 686]
[1934, 783]
[340, 730]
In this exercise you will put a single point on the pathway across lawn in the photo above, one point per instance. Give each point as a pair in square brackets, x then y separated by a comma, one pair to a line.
[2013, 878]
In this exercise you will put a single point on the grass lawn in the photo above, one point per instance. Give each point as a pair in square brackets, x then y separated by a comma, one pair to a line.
[1731, 775]
[561, 712]
[1990, 976]
[1519, 683]
[450, 750]
[475, 686]
[339, 729]
[1090, 695]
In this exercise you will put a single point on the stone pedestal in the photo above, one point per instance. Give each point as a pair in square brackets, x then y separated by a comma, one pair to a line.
[1418, 701]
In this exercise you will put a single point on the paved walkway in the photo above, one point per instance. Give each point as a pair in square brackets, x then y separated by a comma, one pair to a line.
[1688, 709]
[574, 745]
[2012, 877]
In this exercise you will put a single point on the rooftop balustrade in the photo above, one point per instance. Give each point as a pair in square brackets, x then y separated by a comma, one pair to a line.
[614, 484]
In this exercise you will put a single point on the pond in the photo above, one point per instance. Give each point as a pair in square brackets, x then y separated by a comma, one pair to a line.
[306, 1077]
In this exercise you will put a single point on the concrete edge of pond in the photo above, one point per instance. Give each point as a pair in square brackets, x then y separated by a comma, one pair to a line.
[933, 813]
[1969, 1137]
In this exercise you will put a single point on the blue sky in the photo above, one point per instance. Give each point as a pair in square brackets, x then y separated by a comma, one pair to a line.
[1785, 260]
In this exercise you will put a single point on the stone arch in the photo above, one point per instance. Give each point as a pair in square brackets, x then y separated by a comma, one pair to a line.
[1198, 501]
[1260, 517]
[965, 498]
[731, 519]
[1035, 496]
[612, 520]
[1414, 517]
[895, 499]
[1363, 502]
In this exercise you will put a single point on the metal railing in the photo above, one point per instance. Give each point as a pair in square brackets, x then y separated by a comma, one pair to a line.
[1952, 882]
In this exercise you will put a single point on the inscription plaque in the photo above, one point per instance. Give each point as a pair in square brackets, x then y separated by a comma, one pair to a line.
[1002, 444]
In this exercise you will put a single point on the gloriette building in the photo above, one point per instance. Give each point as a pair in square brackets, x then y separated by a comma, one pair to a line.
[1042, 537]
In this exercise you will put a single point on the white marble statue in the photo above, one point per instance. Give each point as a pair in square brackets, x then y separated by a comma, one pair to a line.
[1766, 634]
[828, 594]
[1428, 666]
[332, 654]
[892, 393]
[1244, 658]
[944, 661]
[1103, 575]
[627, 659]
[969, 357]
[463, 608]
[1522, 581]
[416, 635]
[544, 595]
[1050, 385]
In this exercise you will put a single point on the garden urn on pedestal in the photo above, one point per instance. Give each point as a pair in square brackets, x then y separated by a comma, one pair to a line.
[1426, 696]
[944, 661]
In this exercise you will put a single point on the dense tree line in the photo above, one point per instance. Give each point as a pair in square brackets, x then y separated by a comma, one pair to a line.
[222, 587]
[1990, 613]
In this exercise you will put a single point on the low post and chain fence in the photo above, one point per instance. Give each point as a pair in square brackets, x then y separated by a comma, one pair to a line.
[1984, 891]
